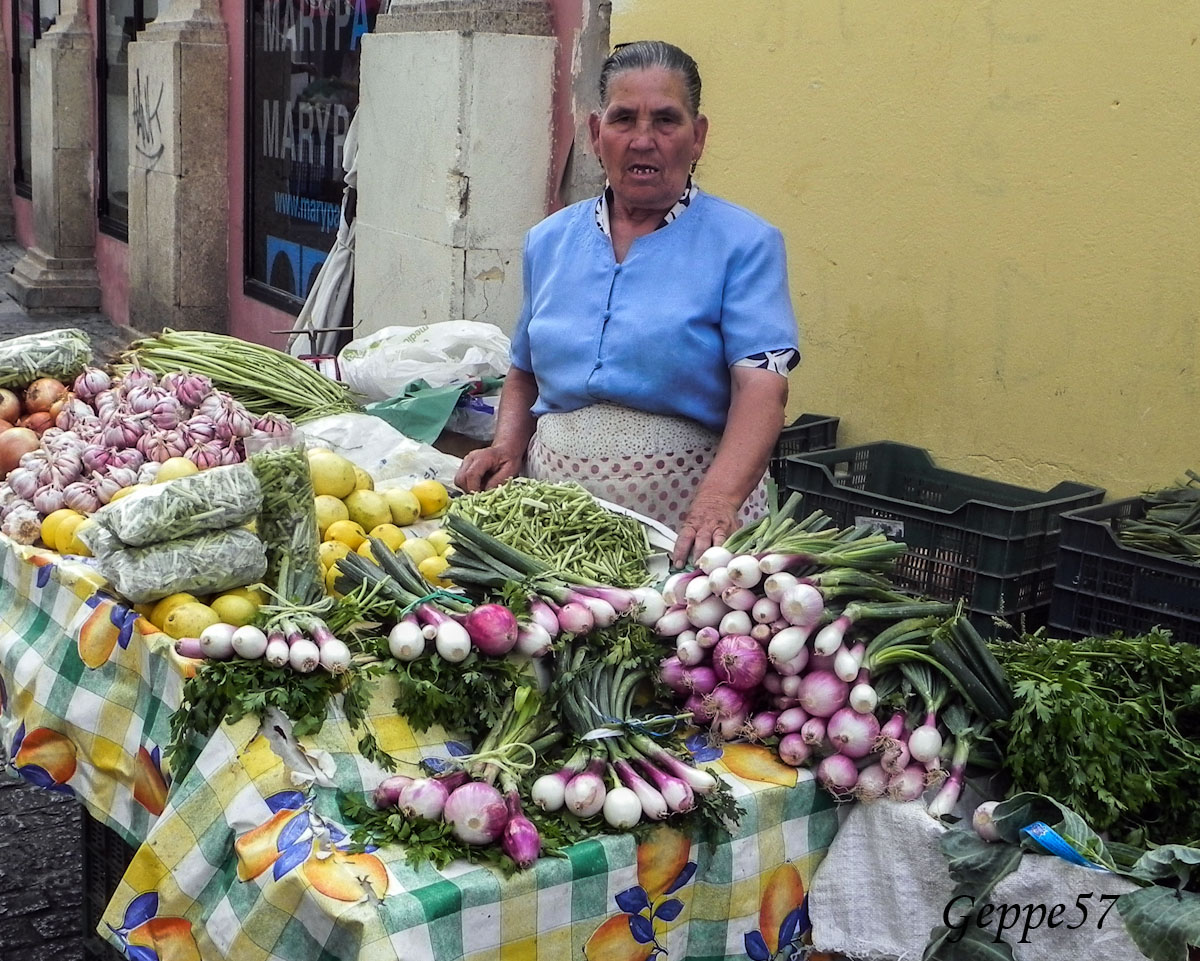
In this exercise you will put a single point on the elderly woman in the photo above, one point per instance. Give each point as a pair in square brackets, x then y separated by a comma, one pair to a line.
[650, 360]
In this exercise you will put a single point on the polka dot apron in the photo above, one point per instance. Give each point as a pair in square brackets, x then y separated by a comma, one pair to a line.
[649, 463]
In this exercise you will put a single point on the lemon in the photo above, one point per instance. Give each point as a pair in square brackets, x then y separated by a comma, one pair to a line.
[65, 531]
[418, 549]
[125, 490]
[329, 509]
[368, 508]
[158, 616]
[234, 609]
[403, 504]
[173, 468]
[189, 619]
[432, 496]
[330, 552]
[364, 550]
[50, 524]
[348, 532]
[331, 473]
[73, 543]
[431, 569]
[440, 539]
[331, 577]
[390, 534]
[362, 480]
[255, 596]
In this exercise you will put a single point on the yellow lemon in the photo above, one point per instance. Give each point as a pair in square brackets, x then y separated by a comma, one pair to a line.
[431, 569]
[390, 534]
[331, 473]
[255, 596]
[364, 550]
[329, 509]
[189, 619]
[440, 539]
[73, 543]
[330, 552]
[234, 609]
[368, 508]
[173, 468]
[331, 576]
[125, 490]
[403, 504]
[418, 549]
[158, 616]
[349, 533]
[65, 531]
[432, 496]
[50, 524]
[362, 480]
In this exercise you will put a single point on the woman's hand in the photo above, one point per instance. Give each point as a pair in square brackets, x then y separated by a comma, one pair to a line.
[488, 467]
[711, 519]
[756, 403]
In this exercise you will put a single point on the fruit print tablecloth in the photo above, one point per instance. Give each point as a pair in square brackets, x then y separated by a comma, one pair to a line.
[246, 856]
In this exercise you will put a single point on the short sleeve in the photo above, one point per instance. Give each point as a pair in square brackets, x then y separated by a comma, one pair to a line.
[756, 307]
[519, 350]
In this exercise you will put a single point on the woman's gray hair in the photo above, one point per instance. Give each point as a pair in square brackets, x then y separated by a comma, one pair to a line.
[645, 54]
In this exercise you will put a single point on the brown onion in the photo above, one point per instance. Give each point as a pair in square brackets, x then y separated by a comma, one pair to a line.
[10, 406]
[38, 421]
[42, 394]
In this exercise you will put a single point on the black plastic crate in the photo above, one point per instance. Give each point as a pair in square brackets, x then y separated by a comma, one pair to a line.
[105, 858]
[808, 432]
[990, 543]
[1101, 586]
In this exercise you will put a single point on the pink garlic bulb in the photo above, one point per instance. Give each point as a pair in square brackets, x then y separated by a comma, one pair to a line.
[91, 382]
[47, 500]
[81, 496]
[188, 389]
[205, 455]
[137, 377]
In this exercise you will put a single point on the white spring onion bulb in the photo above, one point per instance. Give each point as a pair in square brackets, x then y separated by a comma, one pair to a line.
[716, 556]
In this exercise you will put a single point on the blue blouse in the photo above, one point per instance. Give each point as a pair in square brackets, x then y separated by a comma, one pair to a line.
[659, 331]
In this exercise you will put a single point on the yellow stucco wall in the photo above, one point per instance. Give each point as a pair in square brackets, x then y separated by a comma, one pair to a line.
[992, 213]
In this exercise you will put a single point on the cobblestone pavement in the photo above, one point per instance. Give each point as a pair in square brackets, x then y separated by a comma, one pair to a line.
[41, 864]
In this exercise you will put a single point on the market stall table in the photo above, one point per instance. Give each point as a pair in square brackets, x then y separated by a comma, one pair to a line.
[246, 856]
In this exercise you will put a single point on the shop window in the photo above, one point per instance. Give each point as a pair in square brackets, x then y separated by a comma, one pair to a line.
[301, 92]
[120, 22]
[30, 18]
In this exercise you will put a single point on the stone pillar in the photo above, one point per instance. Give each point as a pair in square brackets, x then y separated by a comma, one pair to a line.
[178, 174]
[454, 154]
[6, 183]
[60, 269]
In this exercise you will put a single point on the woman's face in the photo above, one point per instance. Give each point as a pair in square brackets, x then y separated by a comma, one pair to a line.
[647, 138]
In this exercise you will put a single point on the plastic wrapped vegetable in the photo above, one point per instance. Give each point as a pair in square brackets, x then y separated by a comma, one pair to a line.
[98, 539]
[210, 500]
[287, 523]
[53, 353]
[204, 564]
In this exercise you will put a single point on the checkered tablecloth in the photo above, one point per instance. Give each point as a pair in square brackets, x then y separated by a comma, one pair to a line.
[246, 858]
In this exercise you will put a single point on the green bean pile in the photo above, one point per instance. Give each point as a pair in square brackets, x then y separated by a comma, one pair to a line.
[563, 526]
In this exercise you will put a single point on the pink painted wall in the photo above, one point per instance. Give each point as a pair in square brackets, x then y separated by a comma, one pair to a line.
[566, 19]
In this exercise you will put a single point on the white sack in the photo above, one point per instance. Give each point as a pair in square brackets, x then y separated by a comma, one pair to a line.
[380, 365]
[884, 885]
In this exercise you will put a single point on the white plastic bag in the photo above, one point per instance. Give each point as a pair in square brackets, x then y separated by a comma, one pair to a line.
[379, 449]
[380, 365]
[475, 416]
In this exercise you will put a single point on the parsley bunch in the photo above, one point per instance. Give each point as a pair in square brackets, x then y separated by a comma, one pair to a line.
[1109, 727]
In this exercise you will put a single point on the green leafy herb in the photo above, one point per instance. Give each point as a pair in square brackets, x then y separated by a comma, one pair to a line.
[229, 690]
[468, 697]
[1110, 727]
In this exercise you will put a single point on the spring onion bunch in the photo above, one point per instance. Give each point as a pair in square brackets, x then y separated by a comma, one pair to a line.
[479, 798]
[620, 767]
[556, 601]
[791, 634]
